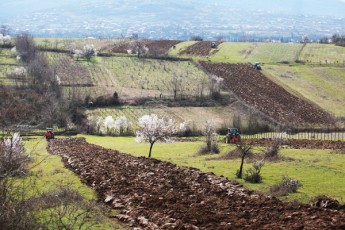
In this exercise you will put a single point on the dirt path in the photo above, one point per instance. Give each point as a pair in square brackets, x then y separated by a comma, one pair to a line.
[152, 194]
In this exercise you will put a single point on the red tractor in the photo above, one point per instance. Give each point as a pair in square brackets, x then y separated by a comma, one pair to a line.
[233, 136]
[49, 134]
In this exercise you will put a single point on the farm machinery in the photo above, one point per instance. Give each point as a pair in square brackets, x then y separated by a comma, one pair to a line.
[233, 136]
[257, 66]
[49, 134]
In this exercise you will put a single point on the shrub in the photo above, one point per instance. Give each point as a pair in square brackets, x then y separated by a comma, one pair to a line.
[287, 185]
[205, 149]
[13, 159]
[253, 174]
[272, 152]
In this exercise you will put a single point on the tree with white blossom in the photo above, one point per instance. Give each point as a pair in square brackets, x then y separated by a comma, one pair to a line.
[121, 124]
[88, 52]
[154, 128]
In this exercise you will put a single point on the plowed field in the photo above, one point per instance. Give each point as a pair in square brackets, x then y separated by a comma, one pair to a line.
[263, 94]
[152, 194]
[300, 144]
[156, 47]
[199, 49]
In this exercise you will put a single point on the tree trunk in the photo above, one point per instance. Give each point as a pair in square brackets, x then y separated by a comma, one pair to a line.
[241, 167]
[151, 145]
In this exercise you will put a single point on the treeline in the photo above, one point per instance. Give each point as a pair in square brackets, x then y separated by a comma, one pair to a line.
[36, 99]
[336, 39]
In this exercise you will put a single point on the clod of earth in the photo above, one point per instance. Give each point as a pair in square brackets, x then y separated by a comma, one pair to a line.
[152, 194]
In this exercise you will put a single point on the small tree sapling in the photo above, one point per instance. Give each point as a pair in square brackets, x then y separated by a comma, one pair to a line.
[153, 129]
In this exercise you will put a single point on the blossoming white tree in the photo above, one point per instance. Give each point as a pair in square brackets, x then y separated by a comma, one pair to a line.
[89, 51]
[12, 156]
[121, 124]
[153, 129]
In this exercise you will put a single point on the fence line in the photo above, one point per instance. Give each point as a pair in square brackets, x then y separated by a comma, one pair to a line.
[311, 135]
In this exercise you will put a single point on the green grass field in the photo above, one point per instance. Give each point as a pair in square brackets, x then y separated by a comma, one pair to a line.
[322, 85]
[320, 172]
[256, 52]
[47, 173]
[321, 52]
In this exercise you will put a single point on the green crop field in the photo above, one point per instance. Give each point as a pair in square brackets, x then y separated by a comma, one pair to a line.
[322, 85]
[319, 171]
[148, 77]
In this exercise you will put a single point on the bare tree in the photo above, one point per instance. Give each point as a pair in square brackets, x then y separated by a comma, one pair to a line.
[245, 150]
[209, 134]
[153, 129]
[25, 47]
[138, 47]
[176, 82]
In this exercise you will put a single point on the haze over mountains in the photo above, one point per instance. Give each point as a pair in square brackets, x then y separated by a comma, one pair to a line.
[171, 19]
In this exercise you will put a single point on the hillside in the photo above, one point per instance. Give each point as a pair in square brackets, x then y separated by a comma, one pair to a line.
[158, 80]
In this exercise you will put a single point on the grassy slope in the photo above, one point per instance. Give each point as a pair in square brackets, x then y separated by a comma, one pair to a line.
[150, 74]
[319, 171]
[180, 46]
[256, 52]
[48, 172]
[321, 85]
[323, 52]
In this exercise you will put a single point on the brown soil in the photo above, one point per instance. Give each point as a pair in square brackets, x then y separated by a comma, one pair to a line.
[200, 49]
[156, 47]
[263, 94]
[299, 144]
[152, 194]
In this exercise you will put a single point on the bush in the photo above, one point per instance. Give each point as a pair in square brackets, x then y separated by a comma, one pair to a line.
[272, 152]
[287, 185]
[253, 174]
[206, 150]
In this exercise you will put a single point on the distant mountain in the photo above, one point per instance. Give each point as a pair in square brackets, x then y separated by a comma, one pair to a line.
[152, 17]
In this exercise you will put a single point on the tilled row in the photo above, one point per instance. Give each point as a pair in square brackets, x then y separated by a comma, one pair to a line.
[299, 143]
[202, 48]
[258, 91]
[152, 194]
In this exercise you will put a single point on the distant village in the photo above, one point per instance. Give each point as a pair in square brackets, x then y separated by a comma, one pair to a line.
[256, 27]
